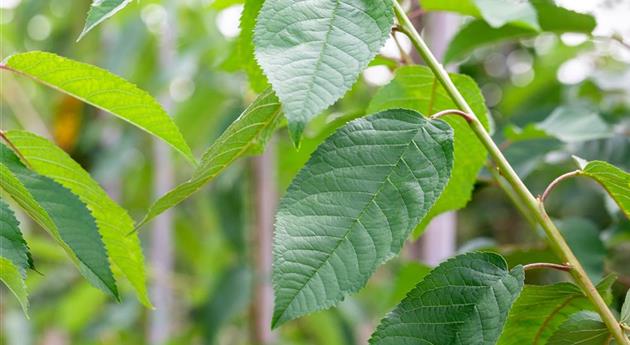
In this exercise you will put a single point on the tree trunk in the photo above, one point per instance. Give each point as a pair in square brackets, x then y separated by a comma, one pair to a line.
[266, 196]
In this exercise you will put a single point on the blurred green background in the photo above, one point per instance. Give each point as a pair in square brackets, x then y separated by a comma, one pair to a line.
[212, 292]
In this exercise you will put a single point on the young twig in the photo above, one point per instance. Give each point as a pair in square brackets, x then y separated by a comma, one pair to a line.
[466, 116]
[540, 265]
[555, 182]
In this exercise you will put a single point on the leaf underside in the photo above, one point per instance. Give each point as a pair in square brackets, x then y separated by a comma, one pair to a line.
[100, 11]
[465, 300]
[114, 224]
[104, 90]
[415, 87]
[614, 180]
[313, 51]
[62, 214]
[246, 135]
[352, 206]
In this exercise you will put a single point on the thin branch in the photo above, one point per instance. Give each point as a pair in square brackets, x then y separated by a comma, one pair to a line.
[555, 182]
[540, 265]
[14, 148]
[465, 115]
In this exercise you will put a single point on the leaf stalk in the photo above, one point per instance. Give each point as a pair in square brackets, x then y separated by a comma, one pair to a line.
[534, 206]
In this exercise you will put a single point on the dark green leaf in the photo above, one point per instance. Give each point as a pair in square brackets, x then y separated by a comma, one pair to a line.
[353, 205]
[465, 300]
[72, 224]
[113, 222]
[101, 10]
[12, 244]
[247, 135]
[313, 51]
[540, 310]
[415, 87]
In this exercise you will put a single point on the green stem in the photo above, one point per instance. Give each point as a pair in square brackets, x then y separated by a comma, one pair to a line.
[532, 205]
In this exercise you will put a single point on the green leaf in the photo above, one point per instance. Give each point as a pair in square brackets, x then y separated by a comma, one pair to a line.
[313, 51]
[113, 222]
[62, 214]
[12, 244]
[540, 310]
[614, 180]
[575, 124]
[465, 300]
[415, 87]
[101, 10]
[103, 90]
[13, 279]
[496, 13]
[353, 205]
[245, 46]
[246, 135]
[500, 12]
[479, 33]
[584, 328]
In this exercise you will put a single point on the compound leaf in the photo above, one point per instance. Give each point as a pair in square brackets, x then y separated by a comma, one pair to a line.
[465, 300]
[101, 10]
[540, 310]
[246, 135]
[103, 90]
[62, 214]
[415, 87]
[113, 222]
[313, 51]
[352, 206]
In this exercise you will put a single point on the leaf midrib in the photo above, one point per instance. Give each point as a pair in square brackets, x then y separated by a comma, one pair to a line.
[351, 226]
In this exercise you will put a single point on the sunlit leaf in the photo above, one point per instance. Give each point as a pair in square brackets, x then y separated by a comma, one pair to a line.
[113, 222]
[625, 311]
[13, 279]
[415, 87]
[257, 80]
[465, 300]
[313, 51]
[62, 214]
[101, 89]
[540, 310]
[353, 205]
[101, 10]
[247, 135]
[496, 13]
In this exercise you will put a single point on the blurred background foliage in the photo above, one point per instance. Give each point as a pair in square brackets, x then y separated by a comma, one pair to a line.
[551, 96]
